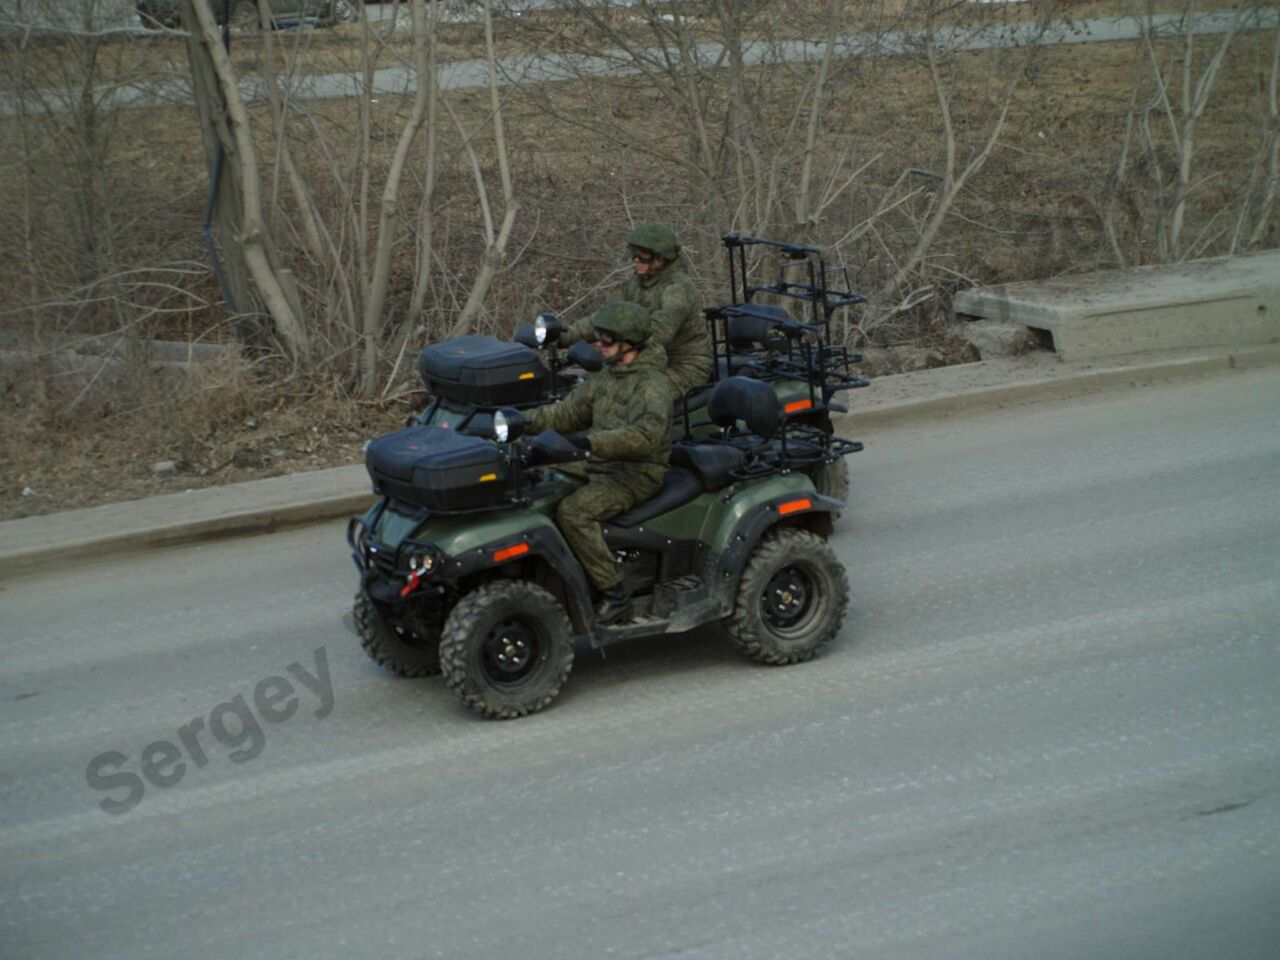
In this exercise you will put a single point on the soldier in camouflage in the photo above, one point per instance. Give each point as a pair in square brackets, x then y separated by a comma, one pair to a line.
[625, 410]
[660, 285]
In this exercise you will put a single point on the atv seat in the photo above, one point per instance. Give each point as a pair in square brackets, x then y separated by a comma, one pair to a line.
[751, 401]
[679, 486]
[712, 463]
[740, 365]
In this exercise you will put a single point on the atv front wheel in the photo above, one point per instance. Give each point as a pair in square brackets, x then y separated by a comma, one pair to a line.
[506, 650]
[791, 598]
[832, 479]
[405, 652]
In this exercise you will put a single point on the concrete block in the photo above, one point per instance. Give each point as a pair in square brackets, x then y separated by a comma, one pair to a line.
[1218, 302]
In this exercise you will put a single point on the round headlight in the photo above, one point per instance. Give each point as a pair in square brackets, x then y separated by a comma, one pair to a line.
[508, 425]
[546, 328]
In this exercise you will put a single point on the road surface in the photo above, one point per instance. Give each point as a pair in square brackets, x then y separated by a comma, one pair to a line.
[1050, 727]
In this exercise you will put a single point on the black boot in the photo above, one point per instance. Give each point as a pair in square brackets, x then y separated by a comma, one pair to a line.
[614, 605]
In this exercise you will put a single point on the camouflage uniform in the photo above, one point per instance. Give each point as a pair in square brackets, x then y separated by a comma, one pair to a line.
[674, 307]
[628, 411]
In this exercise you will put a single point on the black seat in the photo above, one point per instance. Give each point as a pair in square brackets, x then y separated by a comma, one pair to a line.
[679, 486]
[744, 364]
[712, 463]
[751, 401]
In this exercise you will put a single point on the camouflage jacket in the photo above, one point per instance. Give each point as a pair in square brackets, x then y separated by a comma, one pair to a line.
[678, 324]
[626, 412]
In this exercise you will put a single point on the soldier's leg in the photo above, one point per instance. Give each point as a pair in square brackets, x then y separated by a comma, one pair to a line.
[581, 516]
[682, 379]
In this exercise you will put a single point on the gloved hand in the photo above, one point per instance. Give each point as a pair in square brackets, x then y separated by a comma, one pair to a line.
[551, 447]
[581, 441]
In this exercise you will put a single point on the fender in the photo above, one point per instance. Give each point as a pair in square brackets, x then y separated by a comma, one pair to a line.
[471, 544]
[768, 505]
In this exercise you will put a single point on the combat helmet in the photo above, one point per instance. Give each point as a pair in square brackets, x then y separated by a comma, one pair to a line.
[625, 320]
[657, 237]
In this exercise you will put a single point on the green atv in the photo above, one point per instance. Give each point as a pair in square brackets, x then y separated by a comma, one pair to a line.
[463, 571]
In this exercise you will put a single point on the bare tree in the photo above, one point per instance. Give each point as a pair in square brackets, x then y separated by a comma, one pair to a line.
[388, 221]
[495, 243]
[1180, 97]
[1264, 176]
[247, 240]
[953, 177]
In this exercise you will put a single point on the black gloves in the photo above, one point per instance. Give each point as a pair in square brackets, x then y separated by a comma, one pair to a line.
[551, 447]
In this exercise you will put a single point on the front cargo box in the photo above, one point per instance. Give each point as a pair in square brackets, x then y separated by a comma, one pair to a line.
[438, 469]
[484, 370]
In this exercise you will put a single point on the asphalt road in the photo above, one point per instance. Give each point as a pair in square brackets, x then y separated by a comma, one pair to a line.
[555, 67]
[1050, 727]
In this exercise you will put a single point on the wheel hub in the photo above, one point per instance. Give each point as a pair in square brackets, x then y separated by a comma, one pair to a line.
[786, 598]
[509, 651]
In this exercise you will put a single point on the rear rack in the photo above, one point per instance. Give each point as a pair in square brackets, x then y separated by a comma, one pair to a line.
[778, 346]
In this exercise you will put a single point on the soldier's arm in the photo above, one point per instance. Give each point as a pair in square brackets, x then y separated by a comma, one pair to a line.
[649, 429]
[578, 330]
[567, 415]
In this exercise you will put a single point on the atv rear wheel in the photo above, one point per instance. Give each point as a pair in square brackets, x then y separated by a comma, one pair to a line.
[791, 598]
[506, 650]
[405, 652]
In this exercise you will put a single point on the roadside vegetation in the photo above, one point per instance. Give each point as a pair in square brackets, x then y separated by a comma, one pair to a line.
[349, 232]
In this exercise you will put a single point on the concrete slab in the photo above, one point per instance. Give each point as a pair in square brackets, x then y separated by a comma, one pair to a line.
[1218, 302]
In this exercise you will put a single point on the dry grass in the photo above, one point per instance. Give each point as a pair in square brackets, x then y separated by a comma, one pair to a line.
[224, 426]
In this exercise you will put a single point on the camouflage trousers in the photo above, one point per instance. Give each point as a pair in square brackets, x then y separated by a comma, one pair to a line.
[581, 515]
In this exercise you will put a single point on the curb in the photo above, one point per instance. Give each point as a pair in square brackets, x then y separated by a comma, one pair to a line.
[212, 513]
[239, 524]
[29, 544]
[1058, 388]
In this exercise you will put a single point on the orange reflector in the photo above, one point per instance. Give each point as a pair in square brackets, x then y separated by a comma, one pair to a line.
[488, 476]
[527, 376]
[797, 405]
[506, 553]
[791, 506]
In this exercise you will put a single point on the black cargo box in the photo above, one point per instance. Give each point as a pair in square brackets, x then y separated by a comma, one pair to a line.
[438, 469]
[482, 370]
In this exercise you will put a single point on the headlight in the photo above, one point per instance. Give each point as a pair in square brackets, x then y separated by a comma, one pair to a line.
[423, 562]
[546, 328]
[508, 425]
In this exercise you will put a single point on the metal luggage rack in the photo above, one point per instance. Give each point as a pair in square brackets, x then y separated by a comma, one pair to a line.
[795, 256]
[788, 348]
